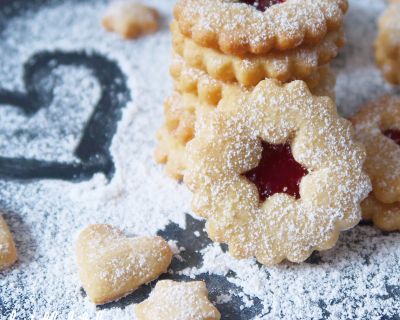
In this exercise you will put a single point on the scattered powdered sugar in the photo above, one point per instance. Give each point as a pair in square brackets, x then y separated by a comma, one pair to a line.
[359, 278]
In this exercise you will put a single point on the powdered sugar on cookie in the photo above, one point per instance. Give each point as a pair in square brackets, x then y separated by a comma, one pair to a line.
[356, 279]
[230, 143]
[238, 28]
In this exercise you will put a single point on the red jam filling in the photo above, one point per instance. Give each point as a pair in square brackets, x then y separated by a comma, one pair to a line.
[277, 172]
[393, 134]
[262, 5]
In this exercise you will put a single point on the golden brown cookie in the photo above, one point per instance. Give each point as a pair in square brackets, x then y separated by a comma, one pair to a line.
[384, 216]
[8, 252]
[170, 152]
[277, 173]
[239, 27]
[387, 44]
[181, 112]
[197, 82]
[211, 91]
[377, 126]
[130, 19]
[249, 70]
[111, 265]
[177, 301]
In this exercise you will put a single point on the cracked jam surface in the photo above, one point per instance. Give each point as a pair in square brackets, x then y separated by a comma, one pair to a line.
[262, 5]
[277, 172]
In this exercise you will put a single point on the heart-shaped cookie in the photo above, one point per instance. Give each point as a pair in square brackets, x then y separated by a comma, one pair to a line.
[92, 151]
[8, 253]
[111, 265]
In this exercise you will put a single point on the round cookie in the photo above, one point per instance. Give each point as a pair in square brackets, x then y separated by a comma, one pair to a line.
[239, 27]
[277, 173]
[387, 44]
[377, 126]
[249, 70]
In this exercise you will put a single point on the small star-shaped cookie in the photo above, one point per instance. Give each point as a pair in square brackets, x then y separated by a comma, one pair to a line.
[130, 19]
[172, 300]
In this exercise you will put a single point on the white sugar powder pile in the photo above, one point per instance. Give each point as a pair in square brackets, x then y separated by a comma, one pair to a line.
[358, 279]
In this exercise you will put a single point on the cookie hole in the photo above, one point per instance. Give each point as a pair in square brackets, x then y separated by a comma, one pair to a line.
[393, 134]
[262, 5]
[277, 172]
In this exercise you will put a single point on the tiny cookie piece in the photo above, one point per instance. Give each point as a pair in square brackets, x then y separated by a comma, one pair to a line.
[130, 19]
[277, 173]
[387, 44]
[8, 252]
[377, 126]
[111, 265]
[172, 300]
[240, 27]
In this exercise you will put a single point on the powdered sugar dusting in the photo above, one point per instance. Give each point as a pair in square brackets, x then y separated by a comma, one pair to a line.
[356, 279]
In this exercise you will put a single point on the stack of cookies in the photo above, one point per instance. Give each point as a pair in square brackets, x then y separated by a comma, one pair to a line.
[226, 46]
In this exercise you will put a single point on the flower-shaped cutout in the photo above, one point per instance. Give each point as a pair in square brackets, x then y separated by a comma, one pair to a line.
[378, 128]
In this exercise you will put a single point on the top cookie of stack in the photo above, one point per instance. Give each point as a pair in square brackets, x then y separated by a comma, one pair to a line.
[225, 45]
[251, 40]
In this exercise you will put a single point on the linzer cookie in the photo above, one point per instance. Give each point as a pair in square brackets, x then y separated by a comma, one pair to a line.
[277, 174]
[387, 44]
[250, 69]
[378, 128]
[239, 27]
[8, 252]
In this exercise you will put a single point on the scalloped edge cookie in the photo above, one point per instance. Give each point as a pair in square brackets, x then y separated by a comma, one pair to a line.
[228, 145]
[171, 152]
[387, 43]
[382, 206]
[211, 91]
[383, 154]
[181, 112]
[238, 28]
[386, 217]
[249, 70]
